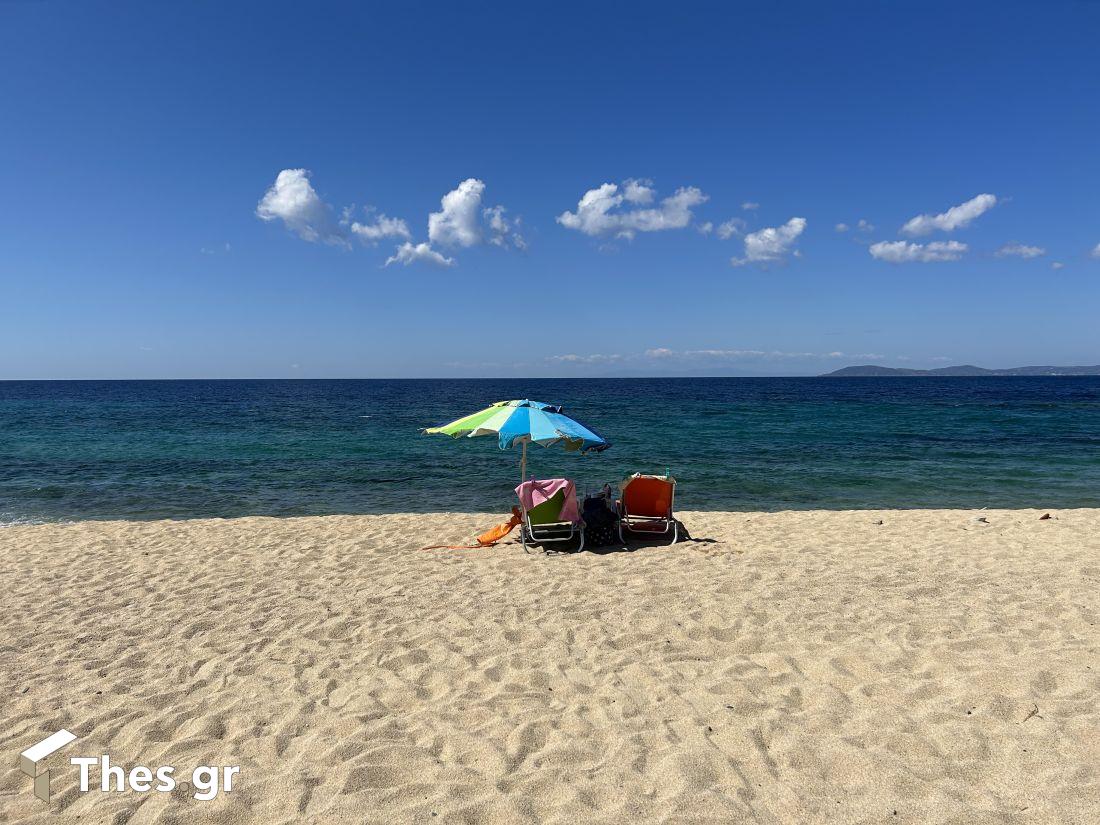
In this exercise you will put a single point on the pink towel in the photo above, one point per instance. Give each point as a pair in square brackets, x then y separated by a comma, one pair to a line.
[533, 493]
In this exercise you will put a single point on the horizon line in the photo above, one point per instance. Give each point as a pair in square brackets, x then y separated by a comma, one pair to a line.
[525, 378]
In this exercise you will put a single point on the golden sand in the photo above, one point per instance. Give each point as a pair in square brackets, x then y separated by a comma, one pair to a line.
[802, 667]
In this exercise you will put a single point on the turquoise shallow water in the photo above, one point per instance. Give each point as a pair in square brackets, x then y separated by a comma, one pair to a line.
[183, 449]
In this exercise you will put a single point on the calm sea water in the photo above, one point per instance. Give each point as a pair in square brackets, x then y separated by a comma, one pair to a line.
[182, 449]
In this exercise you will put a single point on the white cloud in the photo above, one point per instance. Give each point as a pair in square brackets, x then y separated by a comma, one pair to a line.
[723, 353]
[954, 218]
[293, 200]
[750, 206]
[705, 228]
[638, 191]
[598, 211]
[409, 253]
[1095, 251]
[456, 224]
[666, 353]
[595, 358]
[1056, 265]
[771, 244]
[899, 252]
[1019, 250]
[503, 230]
[734, 226]
[863, 226]
[592, 216]
[383, 227]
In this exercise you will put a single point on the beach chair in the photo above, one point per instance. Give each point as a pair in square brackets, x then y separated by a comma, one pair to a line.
[550, 513]
[646, 506]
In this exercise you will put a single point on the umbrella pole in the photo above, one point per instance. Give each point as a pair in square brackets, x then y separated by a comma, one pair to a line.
[523, 464]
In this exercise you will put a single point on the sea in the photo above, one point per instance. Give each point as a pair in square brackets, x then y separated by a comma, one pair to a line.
[72, 450]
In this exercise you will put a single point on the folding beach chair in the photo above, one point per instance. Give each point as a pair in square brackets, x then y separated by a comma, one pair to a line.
[550, 514]
[646, 506]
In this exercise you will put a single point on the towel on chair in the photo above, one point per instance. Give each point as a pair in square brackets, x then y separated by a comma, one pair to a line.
[532, 493]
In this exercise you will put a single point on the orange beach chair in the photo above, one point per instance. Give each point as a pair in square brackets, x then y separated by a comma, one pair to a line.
[646, 506]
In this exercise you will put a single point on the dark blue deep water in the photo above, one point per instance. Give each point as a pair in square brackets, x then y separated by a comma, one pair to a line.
[184, 449]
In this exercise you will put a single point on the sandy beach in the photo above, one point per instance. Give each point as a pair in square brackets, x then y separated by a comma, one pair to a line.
[872, 667]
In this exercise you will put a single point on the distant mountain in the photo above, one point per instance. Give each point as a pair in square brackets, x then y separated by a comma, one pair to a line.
[966, 370]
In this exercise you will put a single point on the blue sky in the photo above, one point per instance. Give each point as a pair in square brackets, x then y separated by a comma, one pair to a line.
[146, 231]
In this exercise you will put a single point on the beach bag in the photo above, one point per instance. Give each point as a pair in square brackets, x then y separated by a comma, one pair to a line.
[601, 522]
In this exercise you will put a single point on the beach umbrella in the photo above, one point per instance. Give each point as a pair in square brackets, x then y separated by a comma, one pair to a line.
[525, 422]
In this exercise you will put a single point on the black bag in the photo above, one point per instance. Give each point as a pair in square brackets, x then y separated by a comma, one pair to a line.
[601, 522]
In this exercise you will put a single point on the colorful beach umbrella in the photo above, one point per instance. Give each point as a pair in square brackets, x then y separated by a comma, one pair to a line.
[525, 422]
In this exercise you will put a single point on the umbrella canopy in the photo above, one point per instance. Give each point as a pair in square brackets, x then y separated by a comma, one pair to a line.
[525, 422]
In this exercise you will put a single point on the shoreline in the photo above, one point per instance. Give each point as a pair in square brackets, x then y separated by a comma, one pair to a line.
[503, 515]
[802, 666]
